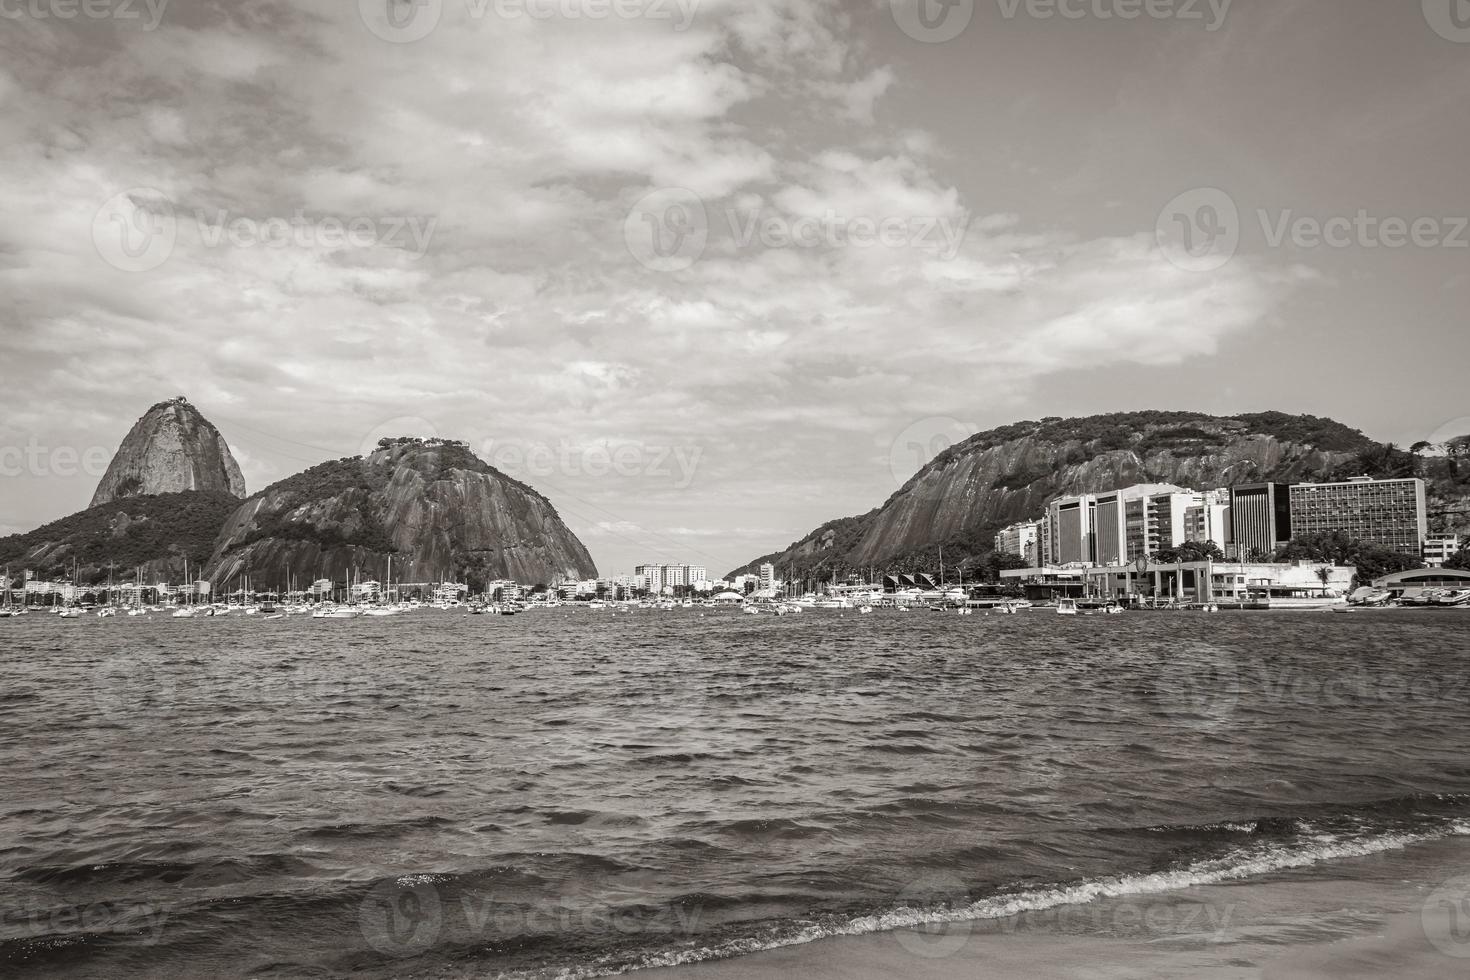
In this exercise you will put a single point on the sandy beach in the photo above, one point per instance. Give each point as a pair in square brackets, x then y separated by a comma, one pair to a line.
[1352, 919]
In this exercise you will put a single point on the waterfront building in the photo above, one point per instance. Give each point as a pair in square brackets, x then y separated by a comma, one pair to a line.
[1185, 582]
[1440, 548]
[1409, 584]
[662, 576]
[1390, 513]
[767, 577]
[369, 591]
[1071, 530]
[450, 591]
[1023, 539]
[1119, 525]
[1208, 518]
[1260, 518]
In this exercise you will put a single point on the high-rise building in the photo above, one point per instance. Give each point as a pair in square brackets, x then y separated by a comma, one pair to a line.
[1390, 513]
[1110, 526]
[1260, 518]
[768, 576]
[1071, 530]
[1208, 519]
[1117, 526]
[1023, 539]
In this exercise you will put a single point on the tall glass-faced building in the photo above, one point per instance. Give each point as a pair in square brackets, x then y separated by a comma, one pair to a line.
[1260, 518]
[1390, 513]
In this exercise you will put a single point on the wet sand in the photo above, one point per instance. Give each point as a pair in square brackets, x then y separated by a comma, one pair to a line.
[1390, 915]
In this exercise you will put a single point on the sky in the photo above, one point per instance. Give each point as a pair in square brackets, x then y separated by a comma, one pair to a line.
[708, 273]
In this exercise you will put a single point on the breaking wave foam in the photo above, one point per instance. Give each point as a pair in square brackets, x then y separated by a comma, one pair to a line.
[1247, 862]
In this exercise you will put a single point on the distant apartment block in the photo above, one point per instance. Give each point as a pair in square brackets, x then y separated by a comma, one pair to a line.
[1440, 548]
[1022, 539]
[658, 577]
[768, 576]
[1260, 517]
[1390, 513]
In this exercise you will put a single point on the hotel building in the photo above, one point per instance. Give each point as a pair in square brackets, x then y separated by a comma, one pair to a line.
[1071, 530]
[1260, 518]
[1390, 513]
[1120, 525]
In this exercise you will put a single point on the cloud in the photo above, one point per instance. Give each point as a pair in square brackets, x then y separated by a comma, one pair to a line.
[519, 145]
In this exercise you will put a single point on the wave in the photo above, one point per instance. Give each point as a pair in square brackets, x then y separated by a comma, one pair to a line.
[1269, 846]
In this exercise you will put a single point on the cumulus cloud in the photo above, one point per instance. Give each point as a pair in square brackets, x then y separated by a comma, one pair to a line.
[489, 169]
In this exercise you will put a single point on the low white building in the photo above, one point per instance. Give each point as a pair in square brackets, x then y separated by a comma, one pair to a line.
[1440, 548]
[1202, 581]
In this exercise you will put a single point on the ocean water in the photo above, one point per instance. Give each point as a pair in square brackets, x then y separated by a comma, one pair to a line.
[569, 792]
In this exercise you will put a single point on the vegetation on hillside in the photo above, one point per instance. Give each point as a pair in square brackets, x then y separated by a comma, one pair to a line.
[125, 532]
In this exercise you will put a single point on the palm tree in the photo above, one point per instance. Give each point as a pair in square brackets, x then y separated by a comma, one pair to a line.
[1324, 575]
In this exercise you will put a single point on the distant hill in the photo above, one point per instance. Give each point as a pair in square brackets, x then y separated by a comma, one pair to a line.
[171, 448]
[157, 531]
[994, 478]
[434, 507]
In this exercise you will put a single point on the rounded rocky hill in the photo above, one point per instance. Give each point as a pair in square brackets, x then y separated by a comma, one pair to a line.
[432, 506]
[975, 487]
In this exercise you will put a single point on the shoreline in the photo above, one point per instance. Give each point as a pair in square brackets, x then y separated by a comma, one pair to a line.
[1384, 914]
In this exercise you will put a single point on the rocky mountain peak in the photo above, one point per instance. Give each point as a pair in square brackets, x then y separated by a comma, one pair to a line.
[171, 448]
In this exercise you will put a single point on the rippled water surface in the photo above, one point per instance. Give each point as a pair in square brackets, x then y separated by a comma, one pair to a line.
[438, 794]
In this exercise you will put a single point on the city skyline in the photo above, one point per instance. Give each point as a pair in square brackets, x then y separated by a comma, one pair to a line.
[715, 397]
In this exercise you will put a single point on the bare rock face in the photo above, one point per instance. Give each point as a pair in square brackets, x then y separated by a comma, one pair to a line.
[1009, 474]
[170, 449]
[432, 506]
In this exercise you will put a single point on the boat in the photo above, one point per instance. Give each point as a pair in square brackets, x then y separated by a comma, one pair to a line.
[1452, 597]
[865, 609]
[1066, 607]
[1295, 600]
[336, 612]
